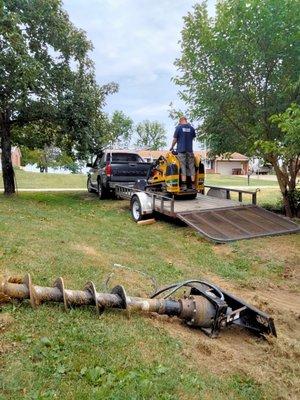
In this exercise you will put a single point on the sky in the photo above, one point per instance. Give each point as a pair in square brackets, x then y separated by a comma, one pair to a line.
[135, 44]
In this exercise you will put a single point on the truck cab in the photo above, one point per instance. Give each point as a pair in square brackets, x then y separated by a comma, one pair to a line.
[113, 167]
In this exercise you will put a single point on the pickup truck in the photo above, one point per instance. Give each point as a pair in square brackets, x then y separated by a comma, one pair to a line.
[113, 167]
[262, 169]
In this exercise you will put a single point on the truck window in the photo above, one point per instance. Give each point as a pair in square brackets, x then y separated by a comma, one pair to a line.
[96, 162]
[125, 157]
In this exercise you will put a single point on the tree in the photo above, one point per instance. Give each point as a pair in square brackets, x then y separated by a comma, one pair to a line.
[239, 69]
[151, 135]
[288, 151]
[120, 130]
[49, 157]
[47, 78]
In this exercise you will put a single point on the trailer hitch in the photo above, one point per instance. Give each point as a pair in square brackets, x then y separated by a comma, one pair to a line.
[204, 306]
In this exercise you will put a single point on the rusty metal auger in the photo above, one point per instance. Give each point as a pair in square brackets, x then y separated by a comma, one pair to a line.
[206, 306]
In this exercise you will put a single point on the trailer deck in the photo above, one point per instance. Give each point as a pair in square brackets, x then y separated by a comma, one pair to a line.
[201, 203]
[218, 219]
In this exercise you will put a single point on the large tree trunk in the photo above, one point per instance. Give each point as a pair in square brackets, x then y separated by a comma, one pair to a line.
[7, 168]
[287, 182]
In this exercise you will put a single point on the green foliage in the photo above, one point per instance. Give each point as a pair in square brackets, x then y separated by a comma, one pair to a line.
[47, 78]
[294, 198]
[239, 69]
[119, 131]
[289, 123]
[49, 157]
[151, 135]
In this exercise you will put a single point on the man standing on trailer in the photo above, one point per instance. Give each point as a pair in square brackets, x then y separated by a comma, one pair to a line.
[184, 135]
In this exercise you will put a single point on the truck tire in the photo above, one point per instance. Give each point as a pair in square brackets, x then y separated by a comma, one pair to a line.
[89, 185]
[102, 191]
[136, 210]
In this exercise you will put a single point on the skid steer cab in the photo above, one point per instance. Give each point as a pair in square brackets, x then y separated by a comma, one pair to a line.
[164, 176]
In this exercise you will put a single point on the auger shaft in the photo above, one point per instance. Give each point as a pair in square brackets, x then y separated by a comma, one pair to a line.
[207, 306]
[88, 296]
[20, 291]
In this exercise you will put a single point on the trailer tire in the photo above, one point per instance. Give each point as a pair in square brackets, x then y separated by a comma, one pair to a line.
[136, 210]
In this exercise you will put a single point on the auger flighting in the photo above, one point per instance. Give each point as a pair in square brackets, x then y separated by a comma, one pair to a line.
[204, 306]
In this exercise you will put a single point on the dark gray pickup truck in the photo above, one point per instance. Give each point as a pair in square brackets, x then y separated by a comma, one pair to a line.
[113, 167]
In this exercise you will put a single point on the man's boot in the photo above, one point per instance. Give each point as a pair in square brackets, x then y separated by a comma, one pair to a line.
[191, 185]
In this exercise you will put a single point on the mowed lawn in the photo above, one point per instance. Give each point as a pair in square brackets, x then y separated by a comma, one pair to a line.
[37, 180]
[269, 192]
[50, 354]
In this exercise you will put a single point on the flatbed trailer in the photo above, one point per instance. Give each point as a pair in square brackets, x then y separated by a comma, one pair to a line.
[213, 216]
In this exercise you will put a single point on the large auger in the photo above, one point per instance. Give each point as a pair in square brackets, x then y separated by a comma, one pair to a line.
[205, 306]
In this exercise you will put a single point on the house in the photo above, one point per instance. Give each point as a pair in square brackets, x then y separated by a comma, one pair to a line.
[233, 164]
[15, 156]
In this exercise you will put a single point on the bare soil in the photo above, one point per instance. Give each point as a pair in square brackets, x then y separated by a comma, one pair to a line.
[274, 362]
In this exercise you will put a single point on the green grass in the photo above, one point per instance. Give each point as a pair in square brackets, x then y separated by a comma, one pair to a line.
[269, 193]
[36, 180]
[49, 354]
[233, 181]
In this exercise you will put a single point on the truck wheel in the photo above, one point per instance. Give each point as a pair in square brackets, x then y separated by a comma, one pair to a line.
[89, 185]
[102, 191]
[136, 209]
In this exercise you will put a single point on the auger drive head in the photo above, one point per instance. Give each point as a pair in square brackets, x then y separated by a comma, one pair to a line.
[204, 305]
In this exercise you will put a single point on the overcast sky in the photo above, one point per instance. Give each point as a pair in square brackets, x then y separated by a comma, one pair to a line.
[135, 44]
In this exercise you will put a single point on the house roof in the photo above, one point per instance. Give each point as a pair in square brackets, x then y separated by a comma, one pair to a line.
[156, 153]
[202, 153]
[120, 151]
[232, 157]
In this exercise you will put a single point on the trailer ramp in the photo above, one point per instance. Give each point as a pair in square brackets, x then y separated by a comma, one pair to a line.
[235, 223]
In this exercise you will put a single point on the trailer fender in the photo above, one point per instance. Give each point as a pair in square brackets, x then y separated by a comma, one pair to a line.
[145, 201]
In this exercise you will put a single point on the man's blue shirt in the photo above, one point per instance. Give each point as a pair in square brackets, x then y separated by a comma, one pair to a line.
[184, 134]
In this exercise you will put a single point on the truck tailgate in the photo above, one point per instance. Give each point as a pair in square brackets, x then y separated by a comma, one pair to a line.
[127, 172]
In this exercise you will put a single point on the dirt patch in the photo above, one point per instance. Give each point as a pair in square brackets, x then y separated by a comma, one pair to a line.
[5, 321]
[87, 250]
[271, 298]
[109, 258]
[282, 249]
[3, 298]
[223, 250]
[272, 362]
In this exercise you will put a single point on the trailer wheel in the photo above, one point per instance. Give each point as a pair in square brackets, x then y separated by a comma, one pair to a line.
[136, 210]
